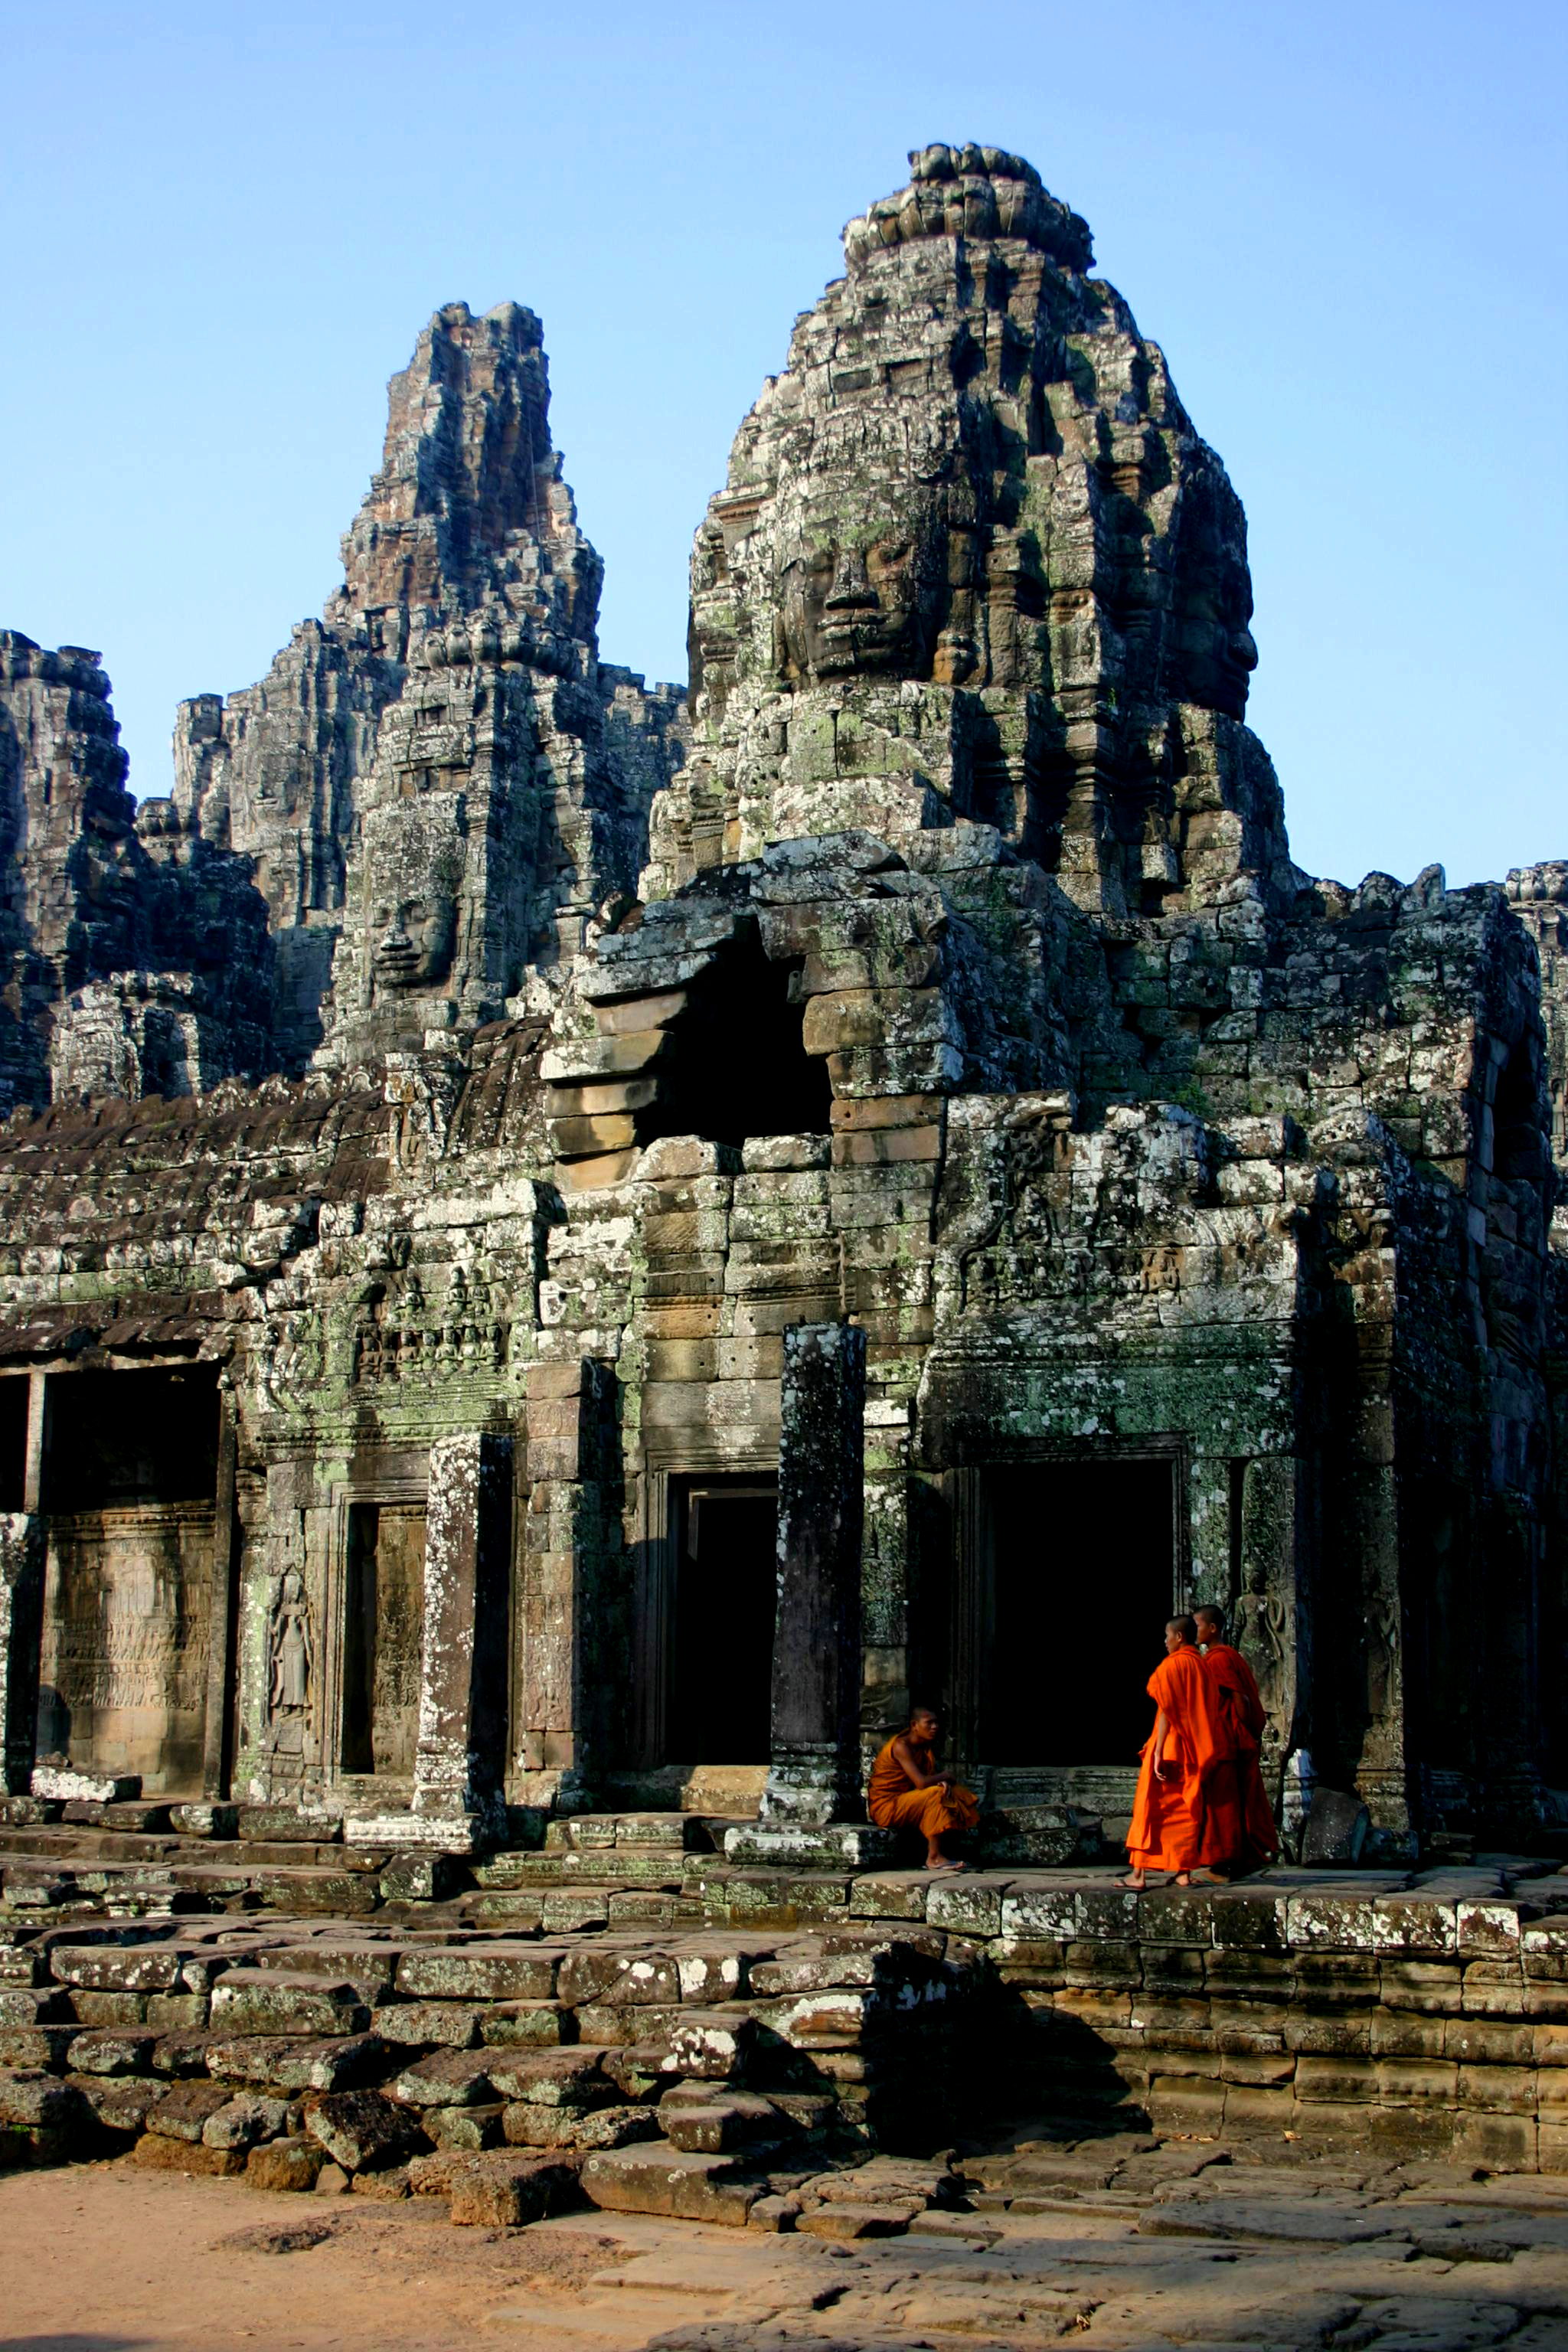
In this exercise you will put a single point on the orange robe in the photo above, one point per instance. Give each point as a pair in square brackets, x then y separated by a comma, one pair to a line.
[1244, 1711]
[894, 1802]
[1194, 1817]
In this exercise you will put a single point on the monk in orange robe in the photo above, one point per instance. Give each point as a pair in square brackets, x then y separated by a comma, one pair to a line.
[1186, 1814]
[1244, 1712]
[909, 1790]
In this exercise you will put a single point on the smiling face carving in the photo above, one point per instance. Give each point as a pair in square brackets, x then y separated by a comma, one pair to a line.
[865, 601]
[413, 938]
[415, 858]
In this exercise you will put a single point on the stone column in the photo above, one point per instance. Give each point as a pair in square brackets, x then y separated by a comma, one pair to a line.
[21, 1623]
[812, 1805]
[460, 1762]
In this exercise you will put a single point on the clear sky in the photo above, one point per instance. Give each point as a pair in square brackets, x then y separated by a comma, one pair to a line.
[224, 227]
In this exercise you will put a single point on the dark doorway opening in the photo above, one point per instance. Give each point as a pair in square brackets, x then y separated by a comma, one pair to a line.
[115, 1439]
[726, 1533]
[1083, 1579]
[384, 1633]
[738, 1066]
[14, 1392]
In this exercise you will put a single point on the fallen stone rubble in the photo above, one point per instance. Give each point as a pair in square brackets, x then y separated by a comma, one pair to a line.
[704, 2074]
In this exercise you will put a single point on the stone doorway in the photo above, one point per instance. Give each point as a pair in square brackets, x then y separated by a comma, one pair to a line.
[14, 1393]
[382, 1637]
[1081, 1569]
[721, 1632]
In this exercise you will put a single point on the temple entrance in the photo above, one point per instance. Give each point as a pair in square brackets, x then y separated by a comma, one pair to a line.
[14, 1388]
[383, 1637]
[725, 1531]
[1083, 1578]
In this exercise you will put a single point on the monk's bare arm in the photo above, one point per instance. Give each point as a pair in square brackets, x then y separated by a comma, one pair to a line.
[910, 1764]
[1163, 1763]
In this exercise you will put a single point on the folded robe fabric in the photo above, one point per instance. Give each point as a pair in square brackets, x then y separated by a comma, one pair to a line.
[1244, 1709]
[894, 1802]
[1195, 1816]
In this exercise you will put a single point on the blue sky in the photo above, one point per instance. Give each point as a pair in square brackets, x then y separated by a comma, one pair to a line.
[225, 226]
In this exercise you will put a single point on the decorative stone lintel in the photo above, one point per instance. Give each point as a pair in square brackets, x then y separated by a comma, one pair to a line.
[798, 1845]
[92, 1787]
[413, 1832]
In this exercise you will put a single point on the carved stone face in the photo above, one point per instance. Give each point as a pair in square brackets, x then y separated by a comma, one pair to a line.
[866, 601]
[413, 938]
[415, 858]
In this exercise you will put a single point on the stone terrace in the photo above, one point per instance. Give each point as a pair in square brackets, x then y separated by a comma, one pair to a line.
[628, 2012]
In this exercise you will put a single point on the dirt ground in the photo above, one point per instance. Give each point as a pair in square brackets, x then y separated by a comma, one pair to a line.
[1185, 2248]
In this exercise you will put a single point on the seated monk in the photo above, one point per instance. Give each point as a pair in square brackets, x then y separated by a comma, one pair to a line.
[1186, 1811]
[1244, 1712]
[909, 1790]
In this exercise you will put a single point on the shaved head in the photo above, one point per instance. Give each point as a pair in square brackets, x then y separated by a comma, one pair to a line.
[1183, 1627]
[1209, 1615]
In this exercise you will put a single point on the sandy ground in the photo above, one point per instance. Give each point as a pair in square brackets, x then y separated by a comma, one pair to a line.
[106, 2257]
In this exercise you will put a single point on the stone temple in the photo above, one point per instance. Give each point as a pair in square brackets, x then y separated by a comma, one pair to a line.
[568, 1247]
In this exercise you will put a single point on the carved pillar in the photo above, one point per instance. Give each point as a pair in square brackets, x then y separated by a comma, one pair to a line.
[21, 1623]
[1272, 1626]
[814, 1774]
[459, 1764]
[573, 1527]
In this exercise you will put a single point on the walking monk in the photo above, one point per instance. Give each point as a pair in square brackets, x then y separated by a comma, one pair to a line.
[1186, 1811]
[909, 1791]
[1244, 1713]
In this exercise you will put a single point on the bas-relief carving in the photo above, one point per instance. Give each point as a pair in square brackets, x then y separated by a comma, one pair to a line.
[290, 1647]
[123, 1666]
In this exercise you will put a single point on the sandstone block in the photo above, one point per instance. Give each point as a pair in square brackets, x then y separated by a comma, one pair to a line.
[362, 2130]
[468, 2128]
[557, 2078]
[452, 2024]
[32, 2100]
[845, 2222]
[527, 2024]
[285, 2166]
[520, 1972]
[186, 2108]
[662, 2180]
[450, 2078]
[109, 2052]
[120, 2103]
[504, 2192]
[295, 2065]
[272, 2001]
[160, 2153]
[244, 2121]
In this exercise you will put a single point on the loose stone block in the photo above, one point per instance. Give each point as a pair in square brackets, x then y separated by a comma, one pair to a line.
[567, 2078]
[485, 1972]
[662, 2180]
[362, 2130]
[285, 2166]
[506, 2191]
[244, 2121]
[256, 2000]
[186, 2108]
[450, 2078]
[454, 2024]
